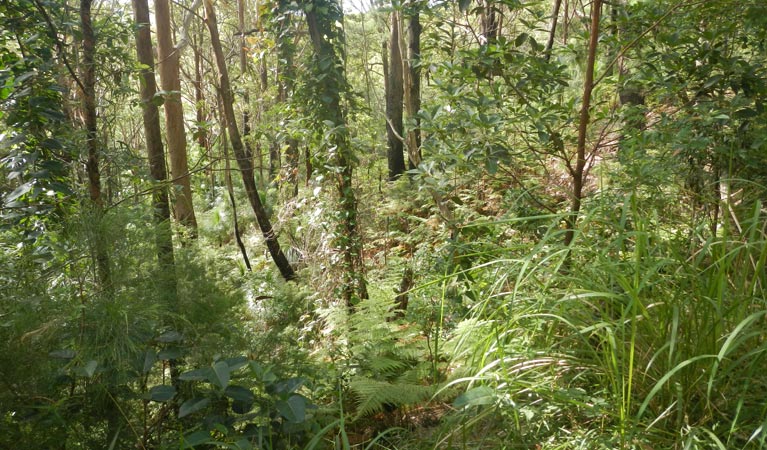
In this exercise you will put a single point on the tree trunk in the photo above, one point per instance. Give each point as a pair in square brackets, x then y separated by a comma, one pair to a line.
[553, 30]
[286, 71]
[413, 87]
[325, 36]
[155, 152]
[394, 98]
[200, 114]
[244, 162]
[174, 118]
[103, 270]
[244, 72]
[490, 23]
[577, 173]
[230, 188]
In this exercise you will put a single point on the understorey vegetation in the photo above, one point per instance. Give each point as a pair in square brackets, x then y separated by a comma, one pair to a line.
[473, 224]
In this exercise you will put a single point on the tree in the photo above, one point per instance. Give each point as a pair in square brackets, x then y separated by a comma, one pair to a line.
[577, 172]
[91, 127]
[322, 17]
[155, 152]
[394, 98]
[244, 160]
[169, 57]
[413, 85]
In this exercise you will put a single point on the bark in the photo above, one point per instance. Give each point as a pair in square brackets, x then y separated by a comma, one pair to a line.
[394, 98]
[155, 150]
[490, 22]
[174, 118]
[166, 275]
[200, 113]
[286, 77]
[324, 34]
[230, 189]
[413, 87]
[88, 76]
[553, 30]
[629, 94]
[244, 72]
[244, 162]
[577, 172]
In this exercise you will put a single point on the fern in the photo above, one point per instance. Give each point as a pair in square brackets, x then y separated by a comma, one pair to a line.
[372, 395]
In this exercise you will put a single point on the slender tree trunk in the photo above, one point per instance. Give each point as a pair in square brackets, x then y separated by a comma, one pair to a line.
[577, 173]
[413, 87]
[286, 70]
[155, 150]
[490, 23]
[166, 274]
[244, 72]
[325, 36]
[88, 76]
[629, 93]
[394, 98]
[553, 30]
[174, 117]
[200, 114]
[230, 187]
[244, 162]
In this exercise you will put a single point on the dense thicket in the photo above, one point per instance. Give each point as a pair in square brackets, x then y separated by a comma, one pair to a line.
[475, 224]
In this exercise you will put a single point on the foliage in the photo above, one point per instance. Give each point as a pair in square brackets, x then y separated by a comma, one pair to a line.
[441, 310]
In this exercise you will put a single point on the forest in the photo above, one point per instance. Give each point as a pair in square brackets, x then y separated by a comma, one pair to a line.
[374, 224]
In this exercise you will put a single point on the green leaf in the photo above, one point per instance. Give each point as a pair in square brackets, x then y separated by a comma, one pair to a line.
[64, 353]
[170, 353]
[170, 336]
[195, 439]
[239, 393]
[19, 191]
[264, 374]
[192, 406]
[287, 386]
[520, 39]
[149, 359]
[161, 393]
[197, 375]
[236, 363]
[293, 409]
[463, 5]
[90, 368]
[482, 395]
[221, 374]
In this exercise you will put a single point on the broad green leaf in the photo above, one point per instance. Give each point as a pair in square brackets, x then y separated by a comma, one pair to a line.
[195, 439]
[287, 386]
[520, 39]
[170, 353]
[197, 375]
[170, 336]
[482, 395]
[221, 374]
[64, 353]
[293, 409]
[19, 191]
[192, 406]
[149, 359]
[236, 363]
[161, 393]
[90, 368]
[239, 393]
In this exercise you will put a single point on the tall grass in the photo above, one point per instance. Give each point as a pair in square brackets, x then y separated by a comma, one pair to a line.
[647, 334]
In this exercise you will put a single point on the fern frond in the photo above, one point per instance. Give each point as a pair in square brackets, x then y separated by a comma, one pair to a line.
[372, 395]
[383, 364]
